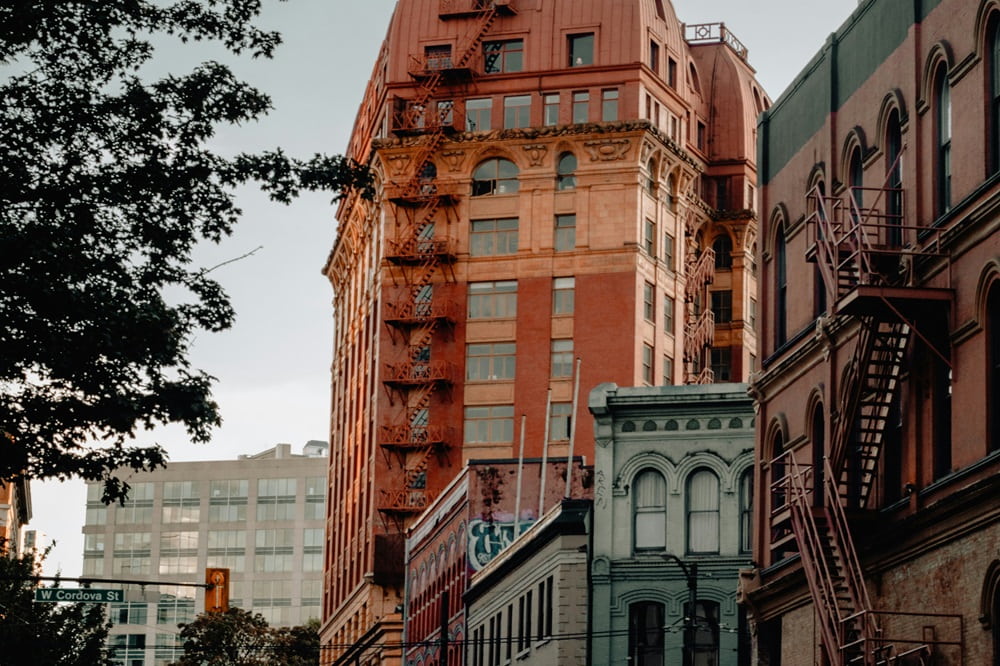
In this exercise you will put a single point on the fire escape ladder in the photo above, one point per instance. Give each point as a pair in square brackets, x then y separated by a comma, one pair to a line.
[831, 568]
[699, 332]
[418, 312]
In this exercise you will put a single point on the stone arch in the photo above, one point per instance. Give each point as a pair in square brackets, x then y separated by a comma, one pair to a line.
[647, 460]
[939, 53]
[702, 460]
[737, 467]
[984, 15]
[855, 140]
[988, 600]
[893, 101]
[779, 223]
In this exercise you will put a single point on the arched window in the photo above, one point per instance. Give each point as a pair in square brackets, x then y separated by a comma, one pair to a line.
[646, 632]
[894, 179]
[993, 71]
[993, 350]
[703, 512]
[819, 287]
[855, 175]
[780, 289]
[723, 247]
[495, 176]
[819, 451]
[942, 143]
[746, 511]
[651, 176]
[566, 172]
[428, 174]
[649, 508]
[703, 642]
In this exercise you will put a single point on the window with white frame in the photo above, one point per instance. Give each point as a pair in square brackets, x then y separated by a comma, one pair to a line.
[478, 114]
[560, 420]
[609, 105]
[312, 549]
[703, 512]
[565, 233]
[138, 507]
[495, 176]
[649, 511]
[563, 290]
[566, 172]
[227, 501]
[227, 549]
[493, 300]
[516, 111]
[273, 550]
[491, 238]
[490, 361]
[550, 114]
[181, 502]
[178, 552]
[489, 424]
[276, 499]
[562, 358]
[503, 56]
[581, 106]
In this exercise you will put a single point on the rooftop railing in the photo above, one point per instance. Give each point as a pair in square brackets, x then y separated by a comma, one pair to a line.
[714, 33]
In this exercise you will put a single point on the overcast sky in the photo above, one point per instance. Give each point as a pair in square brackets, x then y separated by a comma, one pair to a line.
[273, 366]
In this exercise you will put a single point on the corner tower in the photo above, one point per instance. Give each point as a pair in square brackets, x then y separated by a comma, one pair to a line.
[556, 181]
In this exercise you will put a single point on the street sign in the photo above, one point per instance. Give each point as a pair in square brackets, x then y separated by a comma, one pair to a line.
[83, 594]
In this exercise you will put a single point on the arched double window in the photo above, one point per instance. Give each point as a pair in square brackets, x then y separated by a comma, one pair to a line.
[649, 509]
[703, 512]
[495, 176]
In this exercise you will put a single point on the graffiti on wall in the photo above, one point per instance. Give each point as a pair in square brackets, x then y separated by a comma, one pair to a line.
[487, 539]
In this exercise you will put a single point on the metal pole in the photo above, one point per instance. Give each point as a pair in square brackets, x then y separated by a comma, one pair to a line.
[572, 429]
[692, 614]
[545, 456]
[520, 470]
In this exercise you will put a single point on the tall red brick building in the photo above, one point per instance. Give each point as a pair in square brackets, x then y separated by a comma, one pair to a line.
[557, 180]
[878, 537]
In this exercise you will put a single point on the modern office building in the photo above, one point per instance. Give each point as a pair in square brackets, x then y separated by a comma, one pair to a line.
[879, 436]
[261, 516]
[554, 181]
[673, 480]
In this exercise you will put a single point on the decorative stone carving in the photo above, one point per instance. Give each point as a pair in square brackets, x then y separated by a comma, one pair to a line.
[453, 158]
[398, 164]
[536, 152]
[607, 150]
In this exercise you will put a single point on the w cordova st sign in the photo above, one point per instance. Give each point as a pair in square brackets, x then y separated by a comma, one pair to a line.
[88, 595]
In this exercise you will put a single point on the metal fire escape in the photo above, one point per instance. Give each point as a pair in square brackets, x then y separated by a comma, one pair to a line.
[421, 258]
[699, 331]
[867, 272]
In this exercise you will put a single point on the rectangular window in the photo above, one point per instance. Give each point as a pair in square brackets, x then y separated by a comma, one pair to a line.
[563, 289]
[722, 306]
[722, 364]
[276, 499]
[551, 114]
[181, 502]
[130, 612]
[668, 371]
[227, 549]
[178, 552]
[668, 251]
[565, 240]
[489, 424]
[227, 501]
[490, 238]
[273, 551]
[493, 300]
[138, 508]
[560, 418]
[671, 72]
[654, 57]
[647, 364]
[562, 358]
[753, 313]
[668, 314]
[490, 361]
[437, 57]
[648, 306]
[517, 111]
[477, 114]
[581, 106]
[315, 508]
[701, 135]
[527, 620]
[132, 553]
[312, 549]
[609, 105]
[273, 600]
[505, 56]
[648, 240]
[581, 49]
[175, 608]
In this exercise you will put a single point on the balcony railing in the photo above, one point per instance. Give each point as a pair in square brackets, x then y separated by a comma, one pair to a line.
[699, 334]
[405, 501]
[416, 250]
[415, 437]
[415, 373]
[714, 33]
[909, 638]
[464, 7]
[409, 313]
[702, 272]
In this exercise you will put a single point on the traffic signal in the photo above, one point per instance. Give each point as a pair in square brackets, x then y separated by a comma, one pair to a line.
[217, 592]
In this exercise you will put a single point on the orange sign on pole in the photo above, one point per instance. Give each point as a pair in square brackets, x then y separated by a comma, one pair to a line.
[217, 594]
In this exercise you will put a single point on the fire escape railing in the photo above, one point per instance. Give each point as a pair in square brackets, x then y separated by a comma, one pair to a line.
[416, 313]
[699, 331]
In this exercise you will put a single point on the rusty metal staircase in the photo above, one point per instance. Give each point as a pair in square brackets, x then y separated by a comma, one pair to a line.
[860, 271]
[421, 258]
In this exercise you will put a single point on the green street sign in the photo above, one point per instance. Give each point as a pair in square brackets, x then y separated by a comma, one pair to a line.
[83, 594]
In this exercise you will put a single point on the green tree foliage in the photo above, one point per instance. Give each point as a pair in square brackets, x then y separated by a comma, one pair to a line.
[46, 633]
[107, 183]
[240, 638]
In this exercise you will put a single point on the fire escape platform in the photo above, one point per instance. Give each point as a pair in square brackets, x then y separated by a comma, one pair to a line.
[448, 9]
[870, 300]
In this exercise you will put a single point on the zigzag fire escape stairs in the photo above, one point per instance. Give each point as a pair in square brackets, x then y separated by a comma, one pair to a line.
[867, 272]
[699, 330]
[421, 258]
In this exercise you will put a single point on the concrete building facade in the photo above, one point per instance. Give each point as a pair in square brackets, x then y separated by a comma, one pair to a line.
[673, 478]
[879, 440]
[261, 516]
[554, 181]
